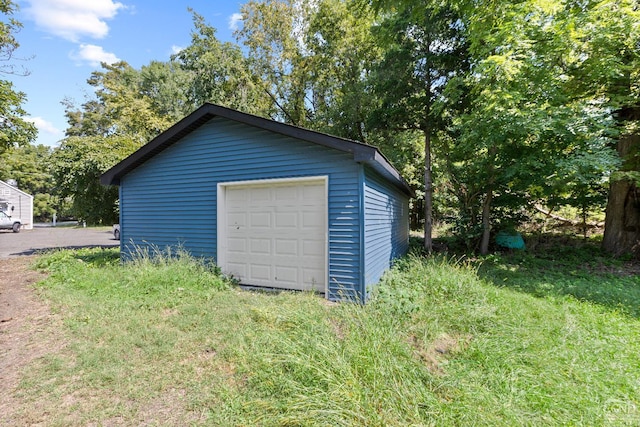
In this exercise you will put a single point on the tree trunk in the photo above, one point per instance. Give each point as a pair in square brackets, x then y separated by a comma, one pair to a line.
[486, 222]
[428, 194]
[486, 205]
[622, 221]
[428, 179]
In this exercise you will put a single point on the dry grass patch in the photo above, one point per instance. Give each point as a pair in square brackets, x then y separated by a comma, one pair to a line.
[435, 354]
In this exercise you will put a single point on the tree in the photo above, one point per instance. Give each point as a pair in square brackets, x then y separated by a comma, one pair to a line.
[126, 103]
[272, 32]
[130, 108]
[165, 86]
[425, 50]
[607, 70]
[339, 50]
[77, 165]
[218, 72]
[14, 129]
[527, 127]
[30, 167]
[622, 221]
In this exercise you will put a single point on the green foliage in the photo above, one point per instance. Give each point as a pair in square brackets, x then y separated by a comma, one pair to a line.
[164, 86]
[424, 49]
[77, 165]
[522, 101]
[45, 206]
[126, 102]
[14, 130]
[606, 61]
[130, 108]
[549, 88]
[270, 33]
[30, 166]
[528, 136]
[437, 345]
[9, 26]
[136, 104]
[339, 50]
[218, 72]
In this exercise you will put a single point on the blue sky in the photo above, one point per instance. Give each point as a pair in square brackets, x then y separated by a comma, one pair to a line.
[63, 41]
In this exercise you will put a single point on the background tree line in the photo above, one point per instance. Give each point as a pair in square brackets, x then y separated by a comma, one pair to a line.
[493, 111]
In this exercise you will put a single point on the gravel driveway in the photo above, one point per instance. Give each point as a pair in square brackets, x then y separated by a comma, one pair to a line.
[28, 242]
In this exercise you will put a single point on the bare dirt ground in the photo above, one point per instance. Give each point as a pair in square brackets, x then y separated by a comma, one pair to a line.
[28, 330]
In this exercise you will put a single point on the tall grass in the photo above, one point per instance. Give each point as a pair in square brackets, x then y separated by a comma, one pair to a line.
[168, 341]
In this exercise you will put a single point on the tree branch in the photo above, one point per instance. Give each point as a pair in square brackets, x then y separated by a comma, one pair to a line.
[567, 221]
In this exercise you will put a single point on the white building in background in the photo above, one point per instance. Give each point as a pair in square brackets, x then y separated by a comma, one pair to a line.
[16, 203]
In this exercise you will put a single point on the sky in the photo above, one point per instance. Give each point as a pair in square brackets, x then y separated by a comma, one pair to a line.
[63, 41]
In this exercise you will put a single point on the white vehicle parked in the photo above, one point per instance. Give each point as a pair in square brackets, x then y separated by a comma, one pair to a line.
[10, 223]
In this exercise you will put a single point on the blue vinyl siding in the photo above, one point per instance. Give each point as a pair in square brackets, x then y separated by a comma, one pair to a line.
[171, 199]
[386, 226]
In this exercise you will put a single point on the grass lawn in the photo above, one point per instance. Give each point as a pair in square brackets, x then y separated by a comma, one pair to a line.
[512, 339]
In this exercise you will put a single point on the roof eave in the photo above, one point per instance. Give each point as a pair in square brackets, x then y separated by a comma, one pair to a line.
[380, 164]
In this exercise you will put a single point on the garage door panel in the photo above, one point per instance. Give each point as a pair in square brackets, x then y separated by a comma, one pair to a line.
[284, 194]
[312, 193]
[237, 245]
[312, 247]
[286, 246]
[277, 233]
[237, 269]
[260, 272]
[286, 220]
[286, 275]
[260, 220]
[239, 195]
[259, 194]
[260, 246]
[313, 278]
[235, 219]
[312, 220]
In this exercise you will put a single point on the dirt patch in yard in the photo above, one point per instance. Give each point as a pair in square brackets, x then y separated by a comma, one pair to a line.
[28, 330]
[435, 354]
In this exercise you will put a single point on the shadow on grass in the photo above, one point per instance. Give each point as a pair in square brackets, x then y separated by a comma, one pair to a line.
[556, 265]
[41, 251]
[583, 272]
[100, 256]
[97, 256]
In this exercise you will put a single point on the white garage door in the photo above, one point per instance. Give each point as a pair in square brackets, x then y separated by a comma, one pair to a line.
[274, 232]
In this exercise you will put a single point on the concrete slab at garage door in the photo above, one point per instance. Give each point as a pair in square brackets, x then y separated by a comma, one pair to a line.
[274, 232]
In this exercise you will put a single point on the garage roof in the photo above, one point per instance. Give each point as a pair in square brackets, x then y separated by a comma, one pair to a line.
[364, 153]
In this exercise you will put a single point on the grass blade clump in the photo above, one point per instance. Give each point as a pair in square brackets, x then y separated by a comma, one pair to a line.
[359, 365]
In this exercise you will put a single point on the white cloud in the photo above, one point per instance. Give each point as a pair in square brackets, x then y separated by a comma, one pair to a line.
[93, 55]
[234, 20]
[44, 125]
[176, 49]
[72, 19]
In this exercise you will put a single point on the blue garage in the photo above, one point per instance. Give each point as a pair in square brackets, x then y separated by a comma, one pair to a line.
[275, 205]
